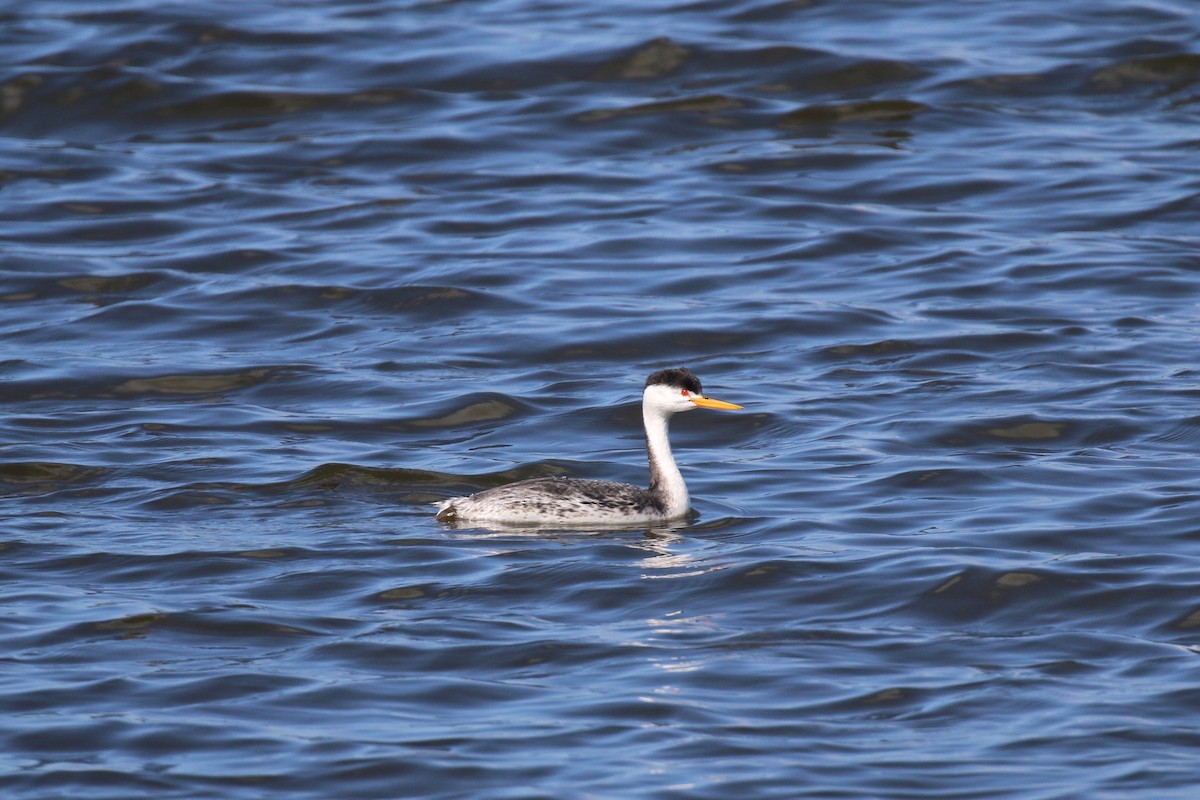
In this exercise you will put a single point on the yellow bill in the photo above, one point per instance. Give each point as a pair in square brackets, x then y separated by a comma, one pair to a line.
[708, 402]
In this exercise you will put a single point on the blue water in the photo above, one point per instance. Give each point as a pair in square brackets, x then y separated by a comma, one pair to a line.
[277, 277]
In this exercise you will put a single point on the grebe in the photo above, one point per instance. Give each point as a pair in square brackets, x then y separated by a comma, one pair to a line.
[577, 501]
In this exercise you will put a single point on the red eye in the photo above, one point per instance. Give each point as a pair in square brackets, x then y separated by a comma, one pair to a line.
[684, 393]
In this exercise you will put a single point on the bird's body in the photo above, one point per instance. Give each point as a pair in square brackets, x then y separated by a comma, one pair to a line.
[550, 499]
[574, 501]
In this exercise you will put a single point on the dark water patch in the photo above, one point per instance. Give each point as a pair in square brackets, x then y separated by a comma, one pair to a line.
[865, 112]
[941, 481]
[864, 74]
[950, 190]
[894, 350]
[232, 105]
[654, 59]
[431, 303]
[324, 584]
[225, 631]
[334, 476]
[330, 485]
[974, 594]
[763, 69]
[664, 347]
[703, 104]
[1038, 434]
[16, 172]
[475, 409]
[801, 162]
[1166, 74]
[202, 384]
[1152, 77]
[103, 285]
[176, 566]
[230, 688]
[1100, 593]
[394, 485]
[36, 478]
[1050, 83]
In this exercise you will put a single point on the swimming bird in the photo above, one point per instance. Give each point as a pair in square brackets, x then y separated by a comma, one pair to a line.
[576, 501]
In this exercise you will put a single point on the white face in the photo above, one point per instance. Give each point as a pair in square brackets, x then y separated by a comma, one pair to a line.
[671, 399]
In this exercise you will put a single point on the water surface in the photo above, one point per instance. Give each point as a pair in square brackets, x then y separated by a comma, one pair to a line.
[279, 276]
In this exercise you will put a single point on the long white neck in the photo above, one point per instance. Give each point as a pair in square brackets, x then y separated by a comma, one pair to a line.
[665, 478]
